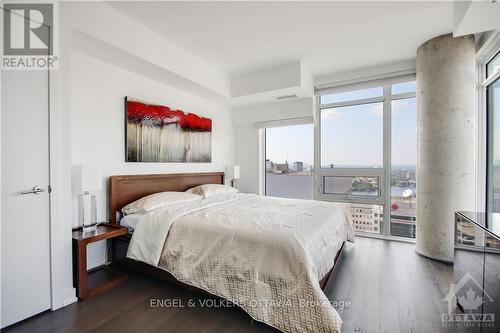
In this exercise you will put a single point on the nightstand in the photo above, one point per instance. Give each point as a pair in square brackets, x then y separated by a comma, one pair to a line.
[95, 281]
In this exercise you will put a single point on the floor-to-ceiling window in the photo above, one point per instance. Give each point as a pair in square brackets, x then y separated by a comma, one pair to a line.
[492, 84]
[351, 153]
[367, 154]
[289, 156]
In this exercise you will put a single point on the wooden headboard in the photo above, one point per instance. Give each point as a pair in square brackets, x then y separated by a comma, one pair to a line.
[126, 189]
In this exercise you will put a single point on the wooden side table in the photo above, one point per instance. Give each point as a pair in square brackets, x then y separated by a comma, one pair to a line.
[95, 281]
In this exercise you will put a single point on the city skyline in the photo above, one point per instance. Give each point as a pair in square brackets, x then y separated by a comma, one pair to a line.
[393, 167]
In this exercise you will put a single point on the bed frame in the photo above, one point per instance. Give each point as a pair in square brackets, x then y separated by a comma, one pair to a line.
[128, 188]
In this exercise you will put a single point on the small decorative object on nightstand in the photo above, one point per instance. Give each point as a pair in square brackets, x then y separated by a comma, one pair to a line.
[85, 181]
[90, 283]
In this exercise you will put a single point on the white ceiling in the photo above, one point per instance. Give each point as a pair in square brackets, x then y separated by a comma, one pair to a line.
[329, 37]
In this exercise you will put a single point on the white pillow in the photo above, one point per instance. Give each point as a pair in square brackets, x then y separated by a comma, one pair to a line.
[208, 190]
[160, 199]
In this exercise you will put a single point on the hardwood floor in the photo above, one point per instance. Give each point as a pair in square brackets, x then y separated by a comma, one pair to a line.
[390, 289]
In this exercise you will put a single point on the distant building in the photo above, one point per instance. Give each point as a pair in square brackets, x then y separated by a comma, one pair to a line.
[269, 165]
[298, 166]
[281, 168]
[410, 174]
[367, 218]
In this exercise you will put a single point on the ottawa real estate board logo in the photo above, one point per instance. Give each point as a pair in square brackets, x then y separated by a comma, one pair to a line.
[467, 305]
[29, 32]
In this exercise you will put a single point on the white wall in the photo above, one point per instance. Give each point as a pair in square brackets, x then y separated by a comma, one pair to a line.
[471, 17]
[247, 137]
[97, 91]
[247, 156]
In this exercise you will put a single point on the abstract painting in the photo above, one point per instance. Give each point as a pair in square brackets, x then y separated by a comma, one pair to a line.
[156, 133]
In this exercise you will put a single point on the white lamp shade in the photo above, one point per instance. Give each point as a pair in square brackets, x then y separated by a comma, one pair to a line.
[85, 178]
[236, 172]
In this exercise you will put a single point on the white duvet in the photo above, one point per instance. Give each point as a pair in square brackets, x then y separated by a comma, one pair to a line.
[264, 254]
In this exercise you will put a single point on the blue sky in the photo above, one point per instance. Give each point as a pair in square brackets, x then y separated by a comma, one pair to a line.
[292, 143]
[351, 135]
[404, 132]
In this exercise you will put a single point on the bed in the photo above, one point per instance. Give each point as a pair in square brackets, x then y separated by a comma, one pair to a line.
[272, 257]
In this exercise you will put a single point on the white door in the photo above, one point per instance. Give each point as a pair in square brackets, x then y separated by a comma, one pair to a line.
[25, 256]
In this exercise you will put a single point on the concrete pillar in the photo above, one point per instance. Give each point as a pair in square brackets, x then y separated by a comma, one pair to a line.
[445, 127]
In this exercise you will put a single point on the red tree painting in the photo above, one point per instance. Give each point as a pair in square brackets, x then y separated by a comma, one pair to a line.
[155, 133]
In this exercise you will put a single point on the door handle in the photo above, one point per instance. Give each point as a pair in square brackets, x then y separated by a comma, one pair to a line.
[35, 190]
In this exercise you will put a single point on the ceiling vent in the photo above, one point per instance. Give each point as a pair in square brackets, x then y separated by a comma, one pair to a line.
[279, 98]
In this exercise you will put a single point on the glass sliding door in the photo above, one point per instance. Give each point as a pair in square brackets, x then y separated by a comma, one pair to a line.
[367, 152]
[289, 156]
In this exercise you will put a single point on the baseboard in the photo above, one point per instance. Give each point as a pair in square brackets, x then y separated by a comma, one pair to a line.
[64, 298]
[69, 296]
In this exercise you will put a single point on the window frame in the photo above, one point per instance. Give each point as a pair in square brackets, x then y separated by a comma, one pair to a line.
[383, 173]
[489, 49]
[486, 84]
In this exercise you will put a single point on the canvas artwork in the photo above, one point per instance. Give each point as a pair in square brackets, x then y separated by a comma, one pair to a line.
[156, 133]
